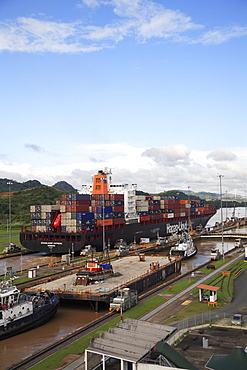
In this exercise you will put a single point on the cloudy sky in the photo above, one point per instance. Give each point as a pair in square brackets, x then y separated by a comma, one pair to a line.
[154, 90]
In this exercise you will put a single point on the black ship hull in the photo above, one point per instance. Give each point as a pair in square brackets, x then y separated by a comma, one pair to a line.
[39, 317]
[64, 243]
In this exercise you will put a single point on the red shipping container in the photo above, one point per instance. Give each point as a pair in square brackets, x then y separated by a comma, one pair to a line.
[116, 196]
[118, 209]
[154, 206]
[155, 217]
[79, 209]
[144, 218]
[118, 221]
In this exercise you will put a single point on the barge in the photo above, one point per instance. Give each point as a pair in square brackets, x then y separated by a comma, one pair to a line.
[138, 273]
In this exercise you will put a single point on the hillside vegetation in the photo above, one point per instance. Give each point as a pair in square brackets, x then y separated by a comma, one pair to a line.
[17, 186]
[22, 200]
[32, 192]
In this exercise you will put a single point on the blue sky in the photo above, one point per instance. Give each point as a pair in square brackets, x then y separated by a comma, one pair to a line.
[154, 90]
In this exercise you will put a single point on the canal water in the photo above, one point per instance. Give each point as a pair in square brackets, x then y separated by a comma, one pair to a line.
[73, 316]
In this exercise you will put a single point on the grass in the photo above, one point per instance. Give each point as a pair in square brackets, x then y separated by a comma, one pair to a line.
[5, 236]
[177, 288]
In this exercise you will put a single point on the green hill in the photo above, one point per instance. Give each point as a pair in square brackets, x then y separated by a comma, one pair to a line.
[22, 200]
[63, 185]
[17, 186]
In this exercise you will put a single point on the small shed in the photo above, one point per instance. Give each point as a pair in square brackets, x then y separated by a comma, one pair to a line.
[207, 293]
[32, 273]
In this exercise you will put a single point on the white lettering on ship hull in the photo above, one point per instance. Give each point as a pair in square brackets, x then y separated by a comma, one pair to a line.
[51, 243]
[173, 229]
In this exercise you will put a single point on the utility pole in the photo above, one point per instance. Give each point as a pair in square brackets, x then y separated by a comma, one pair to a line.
[189, 205]
[222, 225]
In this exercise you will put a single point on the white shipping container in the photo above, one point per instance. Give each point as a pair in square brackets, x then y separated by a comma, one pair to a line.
[32, 209]
[140, 197]
[141, 202]
[41, 228]
[170, 215]
[56, 207]
[71, 229]
[143, 207]
[182, 214]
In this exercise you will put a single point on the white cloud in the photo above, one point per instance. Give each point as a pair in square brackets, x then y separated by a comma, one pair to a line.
[220, 36]
[91, 3]
[142, 19]
[182, 167]
[169, 155]
[222, 155]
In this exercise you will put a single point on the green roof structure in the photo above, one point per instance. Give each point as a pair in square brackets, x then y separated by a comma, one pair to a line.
[235, 360]
[178, 360]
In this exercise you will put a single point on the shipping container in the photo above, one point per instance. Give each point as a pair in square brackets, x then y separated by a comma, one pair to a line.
[105, 222]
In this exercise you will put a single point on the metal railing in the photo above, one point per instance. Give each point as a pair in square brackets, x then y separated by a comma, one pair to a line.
[220, 319]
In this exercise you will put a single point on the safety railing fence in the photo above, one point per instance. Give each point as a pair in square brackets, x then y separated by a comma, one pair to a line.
[204, 319]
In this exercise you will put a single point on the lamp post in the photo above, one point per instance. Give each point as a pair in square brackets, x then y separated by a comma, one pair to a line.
[10, 231]
[221, 212]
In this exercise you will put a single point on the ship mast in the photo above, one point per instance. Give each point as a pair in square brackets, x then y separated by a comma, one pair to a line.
[189, 209]
[101, 187]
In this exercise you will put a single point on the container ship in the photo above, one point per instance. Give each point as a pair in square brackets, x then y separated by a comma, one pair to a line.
[102, 213]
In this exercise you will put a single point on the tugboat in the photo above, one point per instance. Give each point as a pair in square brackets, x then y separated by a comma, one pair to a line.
[20, 312]
[184, 248]
[94, 272]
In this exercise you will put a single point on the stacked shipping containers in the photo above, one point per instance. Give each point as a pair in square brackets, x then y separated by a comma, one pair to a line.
[168, 207]
[81, 213]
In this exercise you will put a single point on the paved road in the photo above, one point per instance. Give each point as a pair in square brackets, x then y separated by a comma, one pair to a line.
[239, 299]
